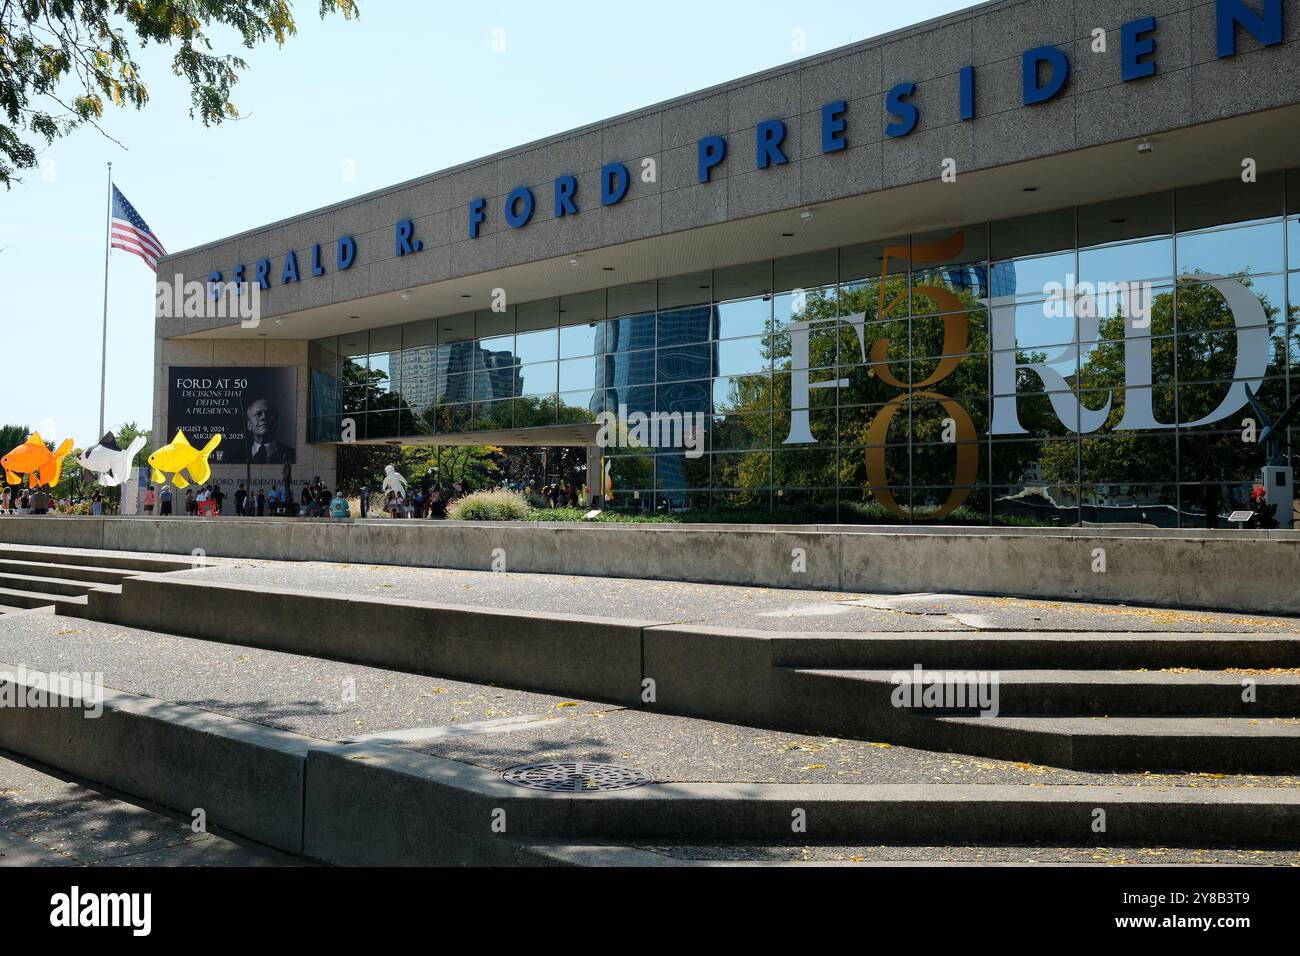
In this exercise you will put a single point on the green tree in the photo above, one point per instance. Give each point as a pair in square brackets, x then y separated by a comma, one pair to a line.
[63, 61]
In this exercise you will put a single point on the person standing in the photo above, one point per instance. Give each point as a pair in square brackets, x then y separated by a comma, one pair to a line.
[150, 498]
[165, 500]
[241, 500]
[365, 501]
[219, 497]
[97, 503]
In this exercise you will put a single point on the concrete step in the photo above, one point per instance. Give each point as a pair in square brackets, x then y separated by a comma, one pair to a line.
[74, 572]
[1037, 650]
[317, 798]
[16, 599]
[46, 585]
[1093, 692]
[1263, 745]
[94, 559]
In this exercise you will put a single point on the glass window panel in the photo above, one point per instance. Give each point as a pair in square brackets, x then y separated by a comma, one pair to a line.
[686, 397]
[497, 379]
[1152, 260]
[1230, 201]
[693, 289]
[1036, 505]
[684, 362]
[1201, 307]
[740, 356]
[1034, 463]
[631, 368]
[1127, 457]
[744, 317]
[453, 418]
[632, 299]
[1048, 232]
[540, 379]
[866, 261]
[355, 345]
[685, 325]
[1149, 505]
[580, 405]
[420, 334]
[1225, 406]
[637, 399]
[536, 316]
[803, 468]
[583, 307]
[741, 431]
[805, 305]
[746, 469]
[1030, 278]
[1123, 220]
[1039, 326]
[807, 271]
[493, 415]
[626, 333]
[578, 340]
[1212, 356]
[577, 374]
[455, 387]
[1293, 243]
[1250, 250]
[743, 281]
[534, 410]
[456, 328]
[495, 331]
[742, 393]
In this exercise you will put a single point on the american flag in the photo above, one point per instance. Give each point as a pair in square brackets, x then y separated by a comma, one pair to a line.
[132, 233]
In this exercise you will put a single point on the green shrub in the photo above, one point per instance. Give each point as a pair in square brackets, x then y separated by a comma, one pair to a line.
[495, 505]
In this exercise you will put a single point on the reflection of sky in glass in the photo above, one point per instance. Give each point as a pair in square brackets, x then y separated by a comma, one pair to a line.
[1252, 249]
[1026, 278]
[1135, 262]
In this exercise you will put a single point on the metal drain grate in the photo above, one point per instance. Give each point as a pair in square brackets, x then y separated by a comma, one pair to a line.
[575, 777]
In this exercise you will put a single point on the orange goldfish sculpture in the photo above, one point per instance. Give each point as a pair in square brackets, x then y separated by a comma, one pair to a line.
[32, 458]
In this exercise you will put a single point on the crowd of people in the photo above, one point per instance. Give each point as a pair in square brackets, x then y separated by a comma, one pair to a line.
[426, 499]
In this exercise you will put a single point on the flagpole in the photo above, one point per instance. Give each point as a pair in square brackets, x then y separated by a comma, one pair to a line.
[103, 357]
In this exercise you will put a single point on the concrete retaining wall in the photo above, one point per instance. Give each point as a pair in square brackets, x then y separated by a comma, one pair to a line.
[562, 654]
[1253, 571]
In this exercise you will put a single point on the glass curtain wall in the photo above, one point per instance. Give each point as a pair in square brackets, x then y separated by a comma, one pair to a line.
[1094, 364]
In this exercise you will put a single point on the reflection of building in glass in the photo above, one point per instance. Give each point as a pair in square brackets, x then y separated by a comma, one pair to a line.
[1044, 406]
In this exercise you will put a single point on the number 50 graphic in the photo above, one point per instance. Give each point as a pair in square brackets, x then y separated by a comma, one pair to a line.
[956, 335]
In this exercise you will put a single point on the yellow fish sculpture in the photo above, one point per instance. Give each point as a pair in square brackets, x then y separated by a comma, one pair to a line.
[179, 455]
[32, 458]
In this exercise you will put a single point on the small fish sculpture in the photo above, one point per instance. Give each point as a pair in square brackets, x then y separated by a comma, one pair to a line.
[32, 458]
[179, 455]
[112, 464]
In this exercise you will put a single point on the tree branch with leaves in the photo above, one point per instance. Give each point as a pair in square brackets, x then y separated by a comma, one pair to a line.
[63, 62]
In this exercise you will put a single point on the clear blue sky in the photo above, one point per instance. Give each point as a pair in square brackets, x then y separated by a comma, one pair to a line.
[410, 88]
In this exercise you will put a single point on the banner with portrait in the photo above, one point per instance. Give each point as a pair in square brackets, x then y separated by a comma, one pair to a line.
[253, 409]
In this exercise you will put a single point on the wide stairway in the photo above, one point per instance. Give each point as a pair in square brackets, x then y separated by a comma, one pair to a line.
[63, 579]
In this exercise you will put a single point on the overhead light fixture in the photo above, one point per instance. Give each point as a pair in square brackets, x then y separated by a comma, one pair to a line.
[1031, 189]
[466, 295]
[573, 260]
[806, 215]
[787, 235]
[404, 295]
[607, 268]
[1144, 146]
